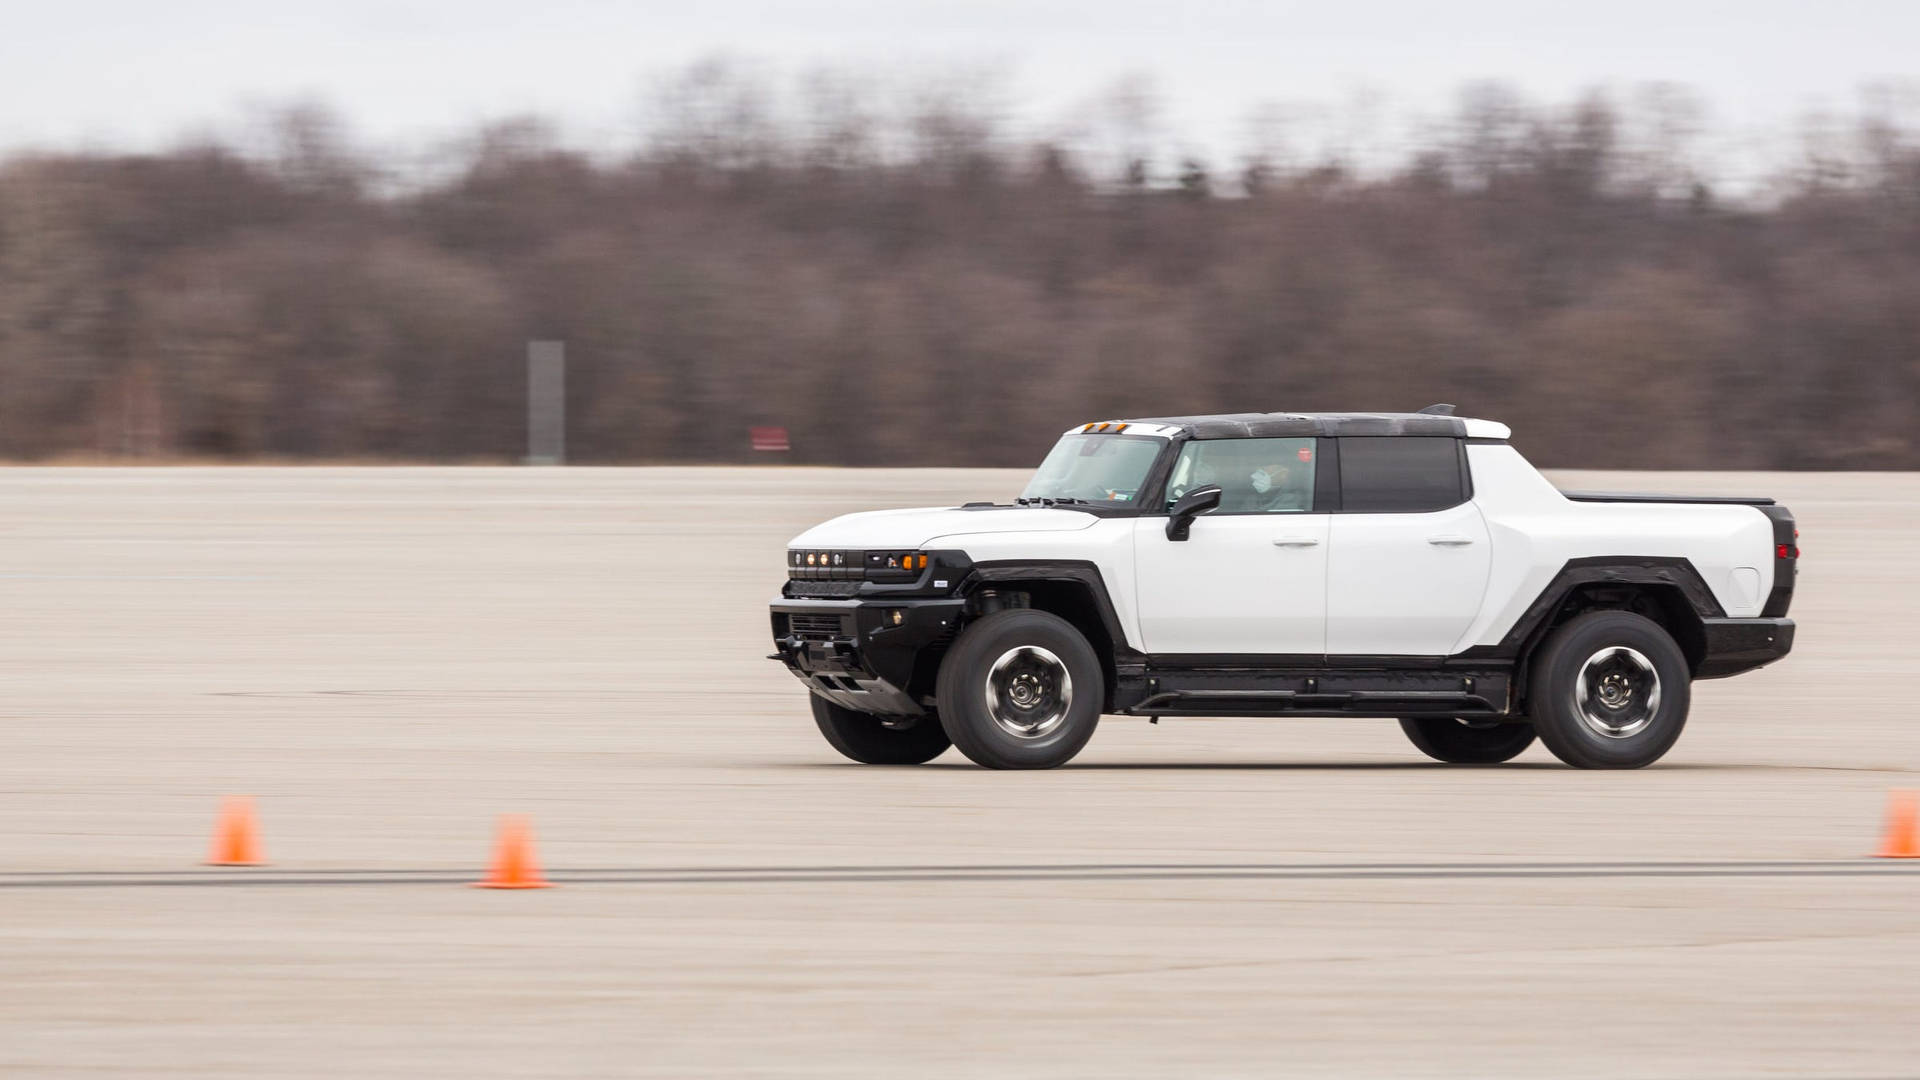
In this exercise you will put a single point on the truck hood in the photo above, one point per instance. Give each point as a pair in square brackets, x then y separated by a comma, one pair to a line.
[904, 529]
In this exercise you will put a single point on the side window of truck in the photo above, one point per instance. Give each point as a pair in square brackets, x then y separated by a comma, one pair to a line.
[1399, 474]
[1255, 476]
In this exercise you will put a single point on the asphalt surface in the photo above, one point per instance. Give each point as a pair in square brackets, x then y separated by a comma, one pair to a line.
[389, 659]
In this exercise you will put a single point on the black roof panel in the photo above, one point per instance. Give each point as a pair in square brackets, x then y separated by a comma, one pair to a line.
[1300, 425]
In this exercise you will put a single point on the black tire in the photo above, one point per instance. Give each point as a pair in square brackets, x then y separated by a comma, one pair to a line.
[865, 739]
[1023, 652]
[1461, 742]
[1573, 704]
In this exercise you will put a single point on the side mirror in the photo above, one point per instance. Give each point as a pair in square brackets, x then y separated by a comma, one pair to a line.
[1191, 505]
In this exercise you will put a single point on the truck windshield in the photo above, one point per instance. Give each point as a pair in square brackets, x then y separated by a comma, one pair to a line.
[1094, 468]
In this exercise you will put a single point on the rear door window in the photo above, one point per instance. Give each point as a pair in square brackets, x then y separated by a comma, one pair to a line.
[1399, 475]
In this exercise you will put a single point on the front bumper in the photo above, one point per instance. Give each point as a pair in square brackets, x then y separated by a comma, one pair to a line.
[871, 656]
[1737, 645]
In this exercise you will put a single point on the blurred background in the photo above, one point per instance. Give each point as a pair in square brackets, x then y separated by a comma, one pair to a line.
[1668, 235]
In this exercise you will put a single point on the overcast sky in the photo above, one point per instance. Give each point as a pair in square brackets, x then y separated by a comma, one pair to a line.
[143, 72]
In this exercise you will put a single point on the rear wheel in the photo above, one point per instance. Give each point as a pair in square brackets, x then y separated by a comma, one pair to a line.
[1020, 689]
[873, 741]
[1610, 690]
[1467, 742]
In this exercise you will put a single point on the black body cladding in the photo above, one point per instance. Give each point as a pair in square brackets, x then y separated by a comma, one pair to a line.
[876, 665]
[1786, 562]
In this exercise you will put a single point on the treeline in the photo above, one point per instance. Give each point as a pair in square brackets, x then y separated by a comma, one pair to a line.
[934, 291]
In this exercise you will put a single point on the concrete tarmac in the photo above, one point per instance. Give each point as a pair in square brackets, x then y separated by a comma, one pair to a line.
[389, 659]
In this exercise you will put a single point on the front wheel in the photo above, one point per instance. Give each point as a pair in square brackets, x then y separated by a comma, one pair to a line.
[1020, 689]
[1467, 742]
[871, 741]
[1610, 690]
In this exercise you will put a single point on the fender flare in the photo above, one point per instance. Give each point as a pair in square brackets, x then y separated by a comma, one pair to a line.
[1120, 657]
[1527, 631]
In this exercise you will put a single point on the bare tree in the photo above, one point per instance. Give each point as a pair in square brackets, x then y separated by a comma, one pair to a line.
[884, 267]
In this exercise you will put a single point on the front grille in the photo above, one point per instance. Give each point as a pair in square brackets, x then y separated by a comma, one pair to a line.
[813, 627]
[823, 590]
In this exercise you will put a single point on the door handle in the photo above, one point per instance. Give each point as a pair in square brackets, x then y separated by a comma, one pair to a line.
[1450, 541]
[1296, 541]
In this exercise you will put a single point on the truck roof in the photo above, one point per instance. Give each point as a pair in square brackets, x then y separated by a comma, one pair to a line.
[1303, 424]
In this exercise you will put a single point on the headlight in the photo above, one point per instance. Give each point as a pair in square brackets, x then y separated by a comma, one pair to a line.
[826, 565]
[895, 565]
[880, 567]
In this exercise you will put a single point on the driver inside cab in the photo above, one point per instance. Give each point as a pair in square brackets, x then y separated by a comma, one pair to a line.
[1275, 486]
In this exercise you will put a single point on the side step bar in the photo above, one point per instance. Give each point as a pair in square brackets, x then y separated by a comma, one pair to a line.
[1208, 702]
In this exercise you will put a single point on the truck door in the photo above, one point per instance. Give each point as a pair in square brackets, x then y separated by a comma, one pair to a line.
[1409, 553]
[1252, 576]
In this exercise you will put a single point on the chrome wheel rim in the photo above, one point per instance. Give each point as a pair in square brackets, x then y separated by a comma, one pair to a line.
[1617, 692]
[1029, 692]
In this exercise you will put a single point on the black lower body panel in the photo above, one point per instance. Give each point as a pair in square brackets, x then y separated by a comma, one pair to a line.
[1737, 645]
[1329, 691]
[870, 656]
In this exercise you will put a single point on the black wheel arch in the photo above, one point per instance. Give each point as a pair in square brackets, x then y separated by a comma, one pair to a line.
[1072, 589]
[1668, 591]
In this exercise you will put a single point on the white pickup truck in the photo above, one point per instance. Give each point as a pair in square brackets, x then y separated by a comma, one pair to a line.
[1402, 565]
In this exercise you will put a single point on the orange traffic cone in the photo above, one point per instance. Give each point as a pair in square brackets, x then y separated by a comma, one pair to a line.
[1903, 828]
[513, 863]
[236, 837]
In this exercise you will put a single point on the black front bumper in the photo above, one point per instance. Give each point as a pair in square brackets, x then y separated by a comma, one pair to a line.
[872, 656]
[1737, 645]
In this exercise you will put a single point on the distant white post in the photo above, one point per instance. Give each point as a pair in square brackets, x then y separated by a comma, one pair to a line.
[546, 402]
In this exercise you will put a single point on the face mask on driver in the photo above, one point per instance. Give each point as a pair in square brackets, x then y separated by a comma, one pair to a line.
[1262, 483]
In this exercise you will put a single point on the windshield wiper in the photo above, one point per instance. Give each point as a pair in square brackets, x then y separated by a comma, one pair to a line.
[1050, 500]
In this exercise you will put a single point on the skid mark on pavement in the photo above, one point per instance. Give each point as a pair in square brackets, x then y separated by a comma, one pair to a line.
[800, 875]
